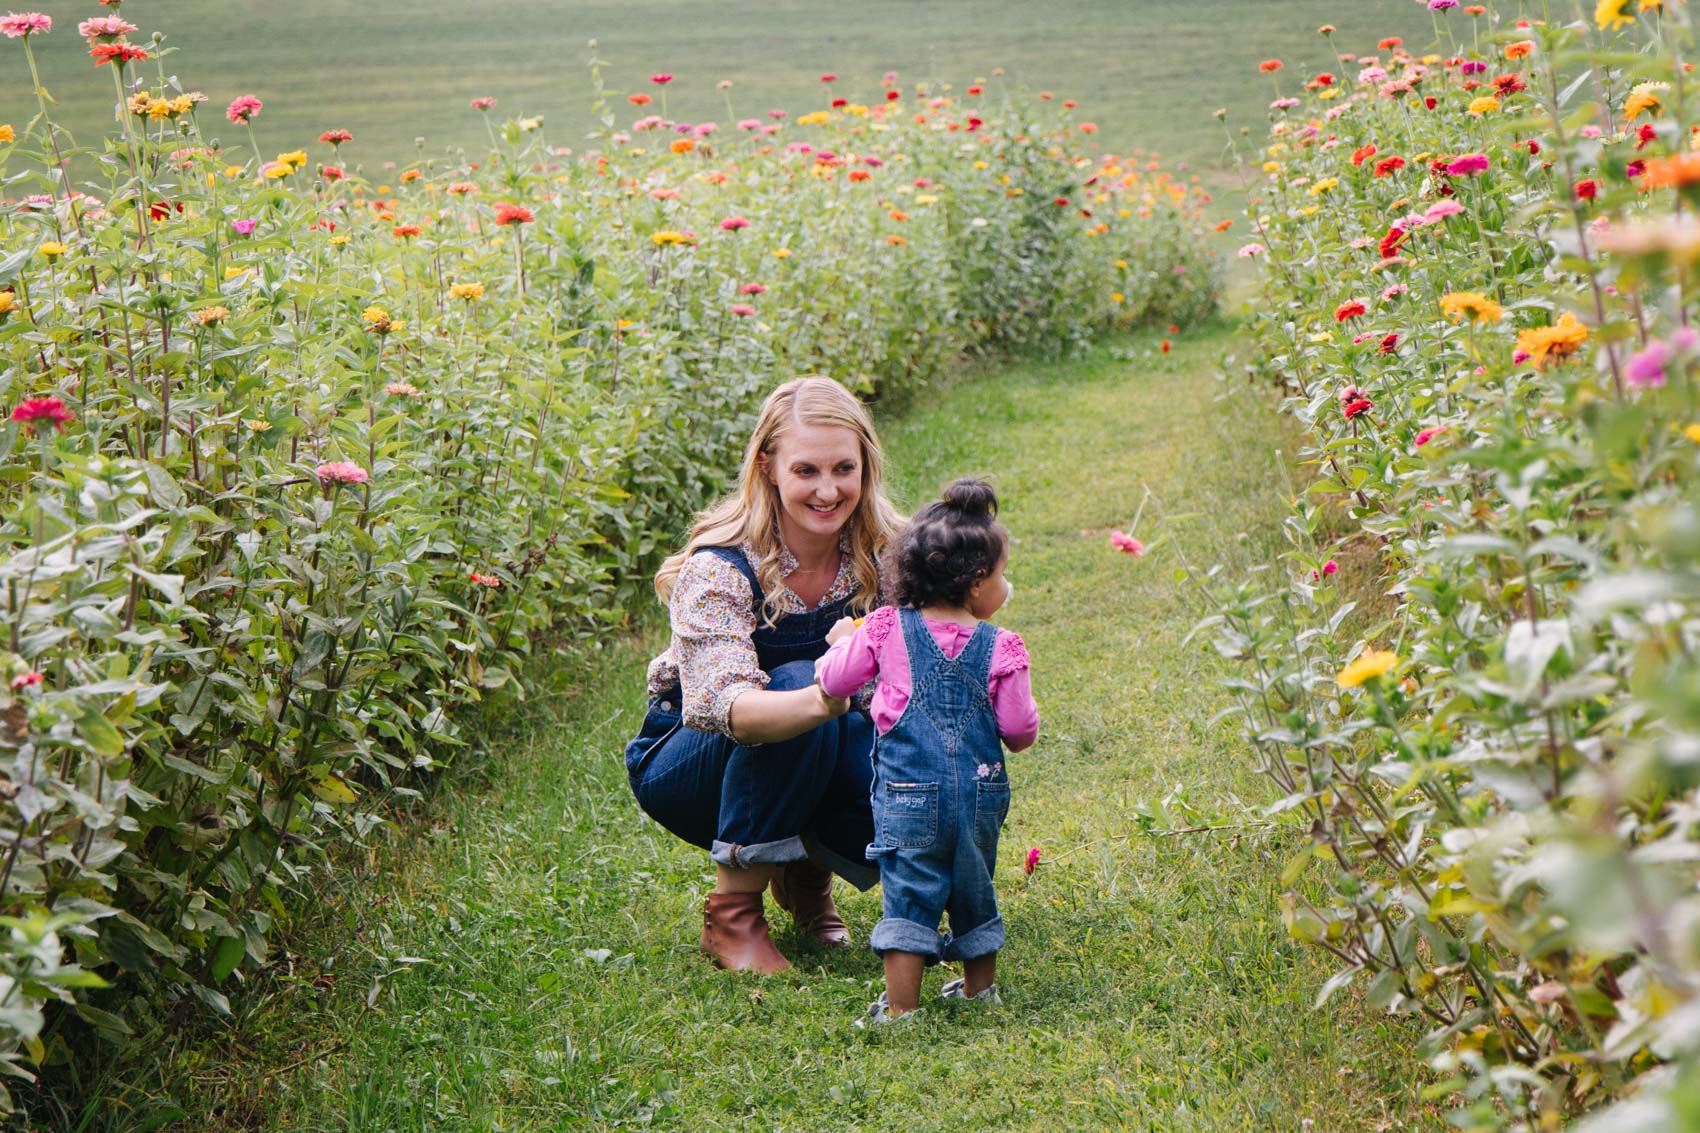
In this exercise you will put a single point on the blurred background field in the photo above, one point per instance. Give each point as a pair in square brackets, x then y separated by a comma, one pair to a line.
[1148, 72]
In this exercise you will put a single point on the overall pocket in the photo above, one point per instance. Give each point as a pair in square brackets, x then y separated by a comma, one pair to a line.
[909, 818]
[991, 807]
[659, 723]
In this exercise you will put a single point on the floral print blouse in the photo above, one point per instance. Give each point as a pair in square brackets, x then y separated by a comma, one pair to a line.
[711, 658]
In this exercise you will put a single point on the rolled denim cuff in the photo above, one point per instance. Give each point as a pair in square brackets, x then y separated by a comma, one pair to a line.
[893, 935]
[743, 857]
[982, 941]
[860, 874]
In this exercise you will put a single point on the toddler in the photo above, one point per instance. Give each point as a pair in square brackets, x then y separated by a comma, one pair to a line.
[951, 686]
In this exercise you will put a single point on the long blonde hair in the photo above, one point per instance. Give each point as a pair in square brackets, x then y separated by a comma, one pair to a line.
[751, 513]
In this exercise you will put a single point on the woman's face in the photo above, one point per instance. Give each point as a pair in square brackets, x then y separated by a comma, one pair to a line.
[818, 472]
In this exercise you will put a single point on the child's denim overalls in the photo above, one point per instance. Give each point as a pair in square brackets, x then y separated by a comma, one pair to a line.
[936, 818]
[778, 802]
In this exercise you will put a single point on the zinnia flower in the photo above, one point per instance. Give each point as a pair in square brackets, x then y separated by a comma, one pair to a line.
[341, 472]
[489, 581]
[1442, 209]
[1389, 165]
[32, 414]
[1357, 407]
[1126, 544]
[1560, 340]
[106, 28]
[15, 25]
[507, 214]
[402, 389]
[243, 108]
[211, 316]
[1468, 165]
[1370, 664]
[1587, 190]
[336, 137]
[1350, 309]
[1478, 307]
[120, 53]
[661, 80]
[1609, 15]
[742, 310]
[1269, 66]
[245, 227]
[1250, 250]
[467, 291]
[483, 104]
[733, 223]
[753, 289]
[30, 679]
[1032, 860]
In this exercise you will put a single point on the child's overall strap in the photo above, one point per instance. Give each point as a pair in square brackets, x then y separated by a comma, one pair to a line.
[976, 657]
[924, 653]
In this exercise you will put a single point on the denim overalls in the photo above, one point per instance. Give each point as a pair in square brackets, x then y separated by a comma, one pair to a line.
[936, 816]
[806, 797]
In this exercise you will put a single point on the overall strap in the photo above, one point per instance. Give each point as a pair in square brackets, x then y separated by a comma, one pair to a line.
[736, 557]
[976, 656]
[924, 653]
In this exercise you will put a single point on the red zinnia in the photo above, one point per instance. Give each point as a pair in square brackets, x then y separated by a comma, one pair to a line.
[1509, 84]
[1269, 65]
[513, 214]
[1644, 134]
[1060, 201]
[829, 77]
[1390, 344]
[892, 95]
[1350, 309]
[1390, 242]
[336, 137]
[405, 230]
[1587, 190]
[1363, 154]
[1358, 405]
[1387, 166]
[661, 80]
[33, 413]
[122, 52]
[639, 99]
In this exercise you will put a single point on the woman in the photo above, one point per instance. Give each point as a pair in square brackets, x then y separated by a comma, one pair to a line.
[741, 752]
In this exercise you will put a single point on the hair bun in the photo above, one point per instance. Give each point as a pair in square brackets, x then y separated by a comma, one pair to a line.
[973, 499]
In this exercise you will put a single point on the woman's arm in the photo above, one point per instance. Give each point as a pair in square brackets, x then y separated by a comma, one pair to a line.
[763, 716]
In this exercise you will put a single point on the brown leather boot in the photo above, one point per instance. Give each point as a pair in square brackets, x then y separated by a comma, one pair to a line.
[804, 889]
[735, 933]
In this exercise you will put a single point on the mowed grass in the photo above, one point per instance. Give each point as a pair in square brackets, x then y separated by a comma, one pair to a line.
[529, 951]
[1149, 72]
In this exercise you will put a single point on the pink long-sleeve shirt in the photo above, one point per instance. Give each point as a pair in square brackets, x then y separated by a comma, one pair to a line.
[877, 649]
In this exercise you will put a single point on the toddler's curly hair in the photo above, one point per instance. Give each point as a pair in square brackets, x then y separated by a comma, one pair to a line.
[949, 545]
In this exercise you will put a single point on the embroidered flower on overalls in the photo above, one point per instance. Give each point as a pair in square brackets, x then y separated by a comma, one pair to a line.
[985, 771]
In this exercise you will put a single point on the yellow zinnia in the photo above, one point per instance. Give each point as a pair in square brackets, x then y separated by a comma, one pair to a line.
[9, 303]
[211, 316]
[1560, 340]
[1324, 186]
[53, 249]
[467, 291]
[1484, 105]
[1371, 663]
[1477, 306]
[1692, 432]
[1643, 98]
[1610, 16]
[7, 135]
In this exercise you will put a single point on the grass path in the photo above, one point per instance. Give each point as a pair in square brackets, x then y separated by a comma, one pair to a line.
[1148, 983]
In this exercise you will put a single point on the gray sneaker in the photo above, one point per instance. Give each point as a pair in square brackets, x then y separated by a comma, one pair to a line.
[955, 990]
[876, 1015]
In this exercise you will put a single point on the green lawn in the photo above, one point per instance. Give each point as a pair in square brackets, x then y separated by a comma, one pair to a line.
[529, 950]
[1149, 72]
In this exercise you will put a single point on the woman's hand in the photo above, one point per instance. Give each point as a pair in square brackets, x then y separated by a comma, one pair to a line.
[842, 629]
[833, 706]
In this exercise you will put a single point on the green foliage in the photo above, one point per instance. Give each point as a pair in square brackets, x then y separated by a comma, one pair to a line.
[300, 467]
[1471, 681]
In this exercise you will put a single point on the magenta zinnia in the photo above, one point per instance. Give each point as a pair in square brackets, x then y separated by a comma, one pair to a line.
[37, 411]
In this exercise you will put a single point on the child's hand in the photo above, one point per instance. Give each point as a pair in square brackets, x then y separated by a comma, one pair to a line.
[842, 629]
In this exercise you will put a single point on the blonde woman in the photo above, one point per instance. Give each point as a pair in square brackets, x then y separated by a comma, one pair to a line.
[741, 752]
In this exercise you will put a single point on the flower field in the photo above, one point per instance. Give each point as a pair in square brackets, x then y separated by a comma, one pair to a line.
[305, 455]
[1473, 681]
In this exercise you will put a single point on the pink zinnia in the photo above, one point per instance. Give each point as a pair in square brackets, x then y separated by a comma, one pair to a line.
[742, 310]
[1330, 567]
[753, 289]
[733, 223]
[1646, 370]
[749, 123]
[661, 80]
[26, 680]
[33, 413]
[1429, 434]
[341, 472]
[1469, 164]
[1250, 250]
[336, 137]
[1032, 859]
[245, 227]
[483, 104]
[15, 25]
[243, 107]
[1127, 545]
[1442, 209]
[105, 27]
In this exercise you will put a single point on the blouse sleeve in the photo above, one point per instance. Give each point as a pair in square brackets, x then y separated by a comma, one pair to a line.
[1012, 693]
[714, 618]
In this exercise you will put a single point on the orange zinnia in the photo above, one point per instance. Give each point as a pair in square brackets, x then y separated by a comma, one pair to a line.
[1671, 172]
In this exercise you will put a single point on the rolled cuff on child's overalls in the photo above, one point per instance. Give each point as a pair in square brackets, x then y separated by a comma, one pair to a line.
[895, 935]
[743, 857]
[982, 941]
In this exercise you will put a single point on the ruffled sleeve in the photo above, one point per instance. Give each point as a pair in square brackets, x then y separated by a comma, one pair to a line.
[713, 618]
[1012, 692]
[1009, 654]
[878, 625]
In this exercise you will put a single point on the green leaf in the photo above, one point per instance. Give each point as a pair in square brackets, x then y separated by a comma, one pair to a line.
[226, 957]
[97, 731]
